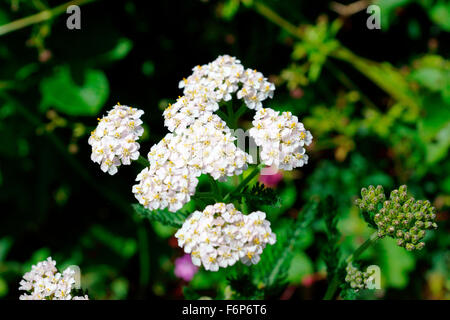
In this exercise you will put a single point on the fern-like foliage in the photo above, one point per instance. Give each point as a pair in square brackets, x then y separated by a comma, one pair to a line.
[348, 293]
[271, 272]
[243, 287]
[257, 196]
[331, 252]
[173, 219]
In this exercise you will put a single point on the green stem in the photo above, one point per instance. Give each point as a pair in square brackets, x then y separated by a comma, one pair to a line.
[375, 71]
[369, 242]
[334, 283]
[39, 17]
[230, 112]
[245, 181]
[272, 16]
[217, 192]
[239, 113]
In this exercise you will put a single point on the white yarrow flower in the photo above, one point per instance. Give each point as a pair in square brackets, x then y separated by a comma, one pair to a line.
[169, 182]
[281, 138]
[220, 236]
[114, 140]
[213, 83]
[44, 282]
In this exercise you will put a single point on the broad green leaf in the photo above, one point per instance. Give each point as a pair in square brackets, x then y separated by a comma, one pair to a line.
[60, 92]
[434, 79]
[396, 263]
[301, 266]
[437, 116]
[440, 14]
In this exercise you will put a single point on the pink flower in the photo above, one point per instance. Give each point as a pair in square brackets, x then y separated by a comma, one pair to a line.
[270, 179]
[184, 269]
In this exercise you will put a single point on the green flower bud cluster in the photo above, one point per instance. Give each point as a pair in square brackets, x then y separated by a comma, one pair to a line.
[405, 219]
[370, 198]
[357, 279]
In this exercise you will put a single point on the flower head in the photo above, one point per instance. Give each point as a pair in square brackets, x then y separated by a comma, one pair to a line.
[221, 235]
[44, 282]
[114, 139]
[168, 182]
[213, 83]
[401, 217]
[281, 139]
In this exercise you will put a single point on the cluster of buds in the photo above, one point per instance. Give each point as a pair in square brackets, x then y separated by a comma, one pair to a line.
[357, 279]
[401, 217]
[370, 198]
[405, 219]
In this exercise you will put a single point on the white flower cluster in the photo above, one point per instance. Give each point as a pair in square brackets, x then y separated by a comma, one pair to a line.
[281, 138]
[214, 82]
[255, 89]
[221, 235]
[206, 146]
[114, 140]
[167, 182]
[44, 282]
[212, 149]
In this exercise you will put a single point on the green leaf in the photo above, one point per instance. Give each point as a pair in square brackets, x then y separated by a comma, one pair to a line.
[173, 219]
[301, 266]
[273, 268]
[286, 199]
[432, 78]
[440, 14]
[331, 253]
[120, 51]
[5, 246]
[230, 8]
[396, 263]
[258, 195]
[436, 118]
[59, 91]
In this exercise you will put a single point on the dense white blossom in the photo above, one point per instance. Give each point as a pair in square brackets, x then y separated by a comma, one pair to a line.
[207, 146]
[255, 89]
[114, 139]
[213, 83]
[212, 148]
[221, 235]
[44, 282]
[281, 139]
[216, 81]
[168, 181]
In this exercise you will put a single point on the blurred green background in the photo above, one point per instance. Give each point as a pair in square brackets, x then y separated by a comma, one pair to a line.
[376, 101]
